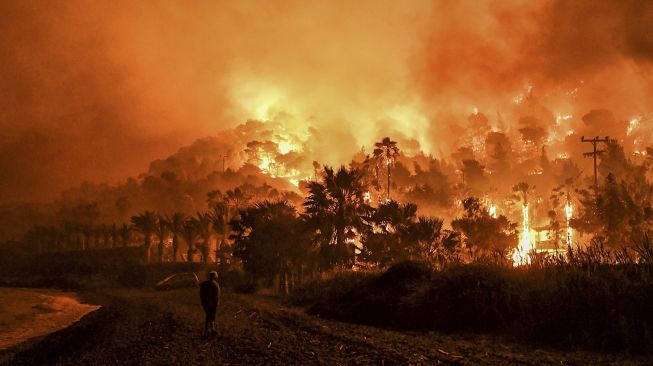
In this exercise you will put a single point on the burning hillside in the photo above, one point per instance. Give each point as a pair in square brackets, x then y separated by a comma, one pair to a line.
[490, 101]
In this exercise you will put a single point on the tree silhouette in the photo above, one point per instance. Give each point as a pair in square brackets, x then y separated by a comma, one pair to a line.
[220, 217]
[161, 230]
[335, 209]
[427, 232]
[483, 233]
[270, 241]
[190, 233]
[393, 240]
[145, 223]
[175, 224]
[125, 233]
[203, 222]
[387, 151]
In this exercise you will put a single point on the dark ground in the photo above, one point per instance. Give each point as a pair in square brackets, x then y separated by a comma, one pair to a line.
[145, 327]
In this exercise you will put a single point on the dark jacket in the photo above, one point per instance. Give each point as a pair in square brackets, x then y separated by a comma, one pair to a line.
[210, 294]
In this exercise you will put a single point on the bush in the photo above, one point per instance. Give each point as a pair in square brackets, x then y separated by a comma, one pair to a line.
[339, 284]
[353, 302]
[608, 308]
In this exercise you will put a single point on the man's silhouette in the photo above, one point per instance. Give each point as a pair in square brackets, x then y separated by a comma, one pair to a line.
[210, 297]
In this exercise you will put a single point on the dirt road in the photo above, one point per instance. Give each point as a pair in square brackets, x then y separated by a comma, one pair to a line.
[138, 327]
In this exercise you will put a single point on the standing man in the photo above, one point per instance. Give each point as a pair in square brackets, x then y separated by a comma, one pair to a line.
[210, 297]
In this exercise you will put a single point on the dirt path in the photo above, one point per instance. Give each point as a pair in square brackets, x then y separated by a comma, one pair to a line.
[162, 328]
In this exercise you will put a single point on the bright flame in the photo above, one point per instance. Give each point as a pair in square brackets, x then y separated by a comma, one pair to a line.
[493, 211]
[568, 215]
[560, 118]
[285, 147]
[521, 254]
[633, 124]
[266, 163]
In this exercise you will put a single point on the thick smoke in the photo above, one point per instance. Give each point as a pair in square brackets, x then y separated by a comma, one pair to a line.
[95, 91]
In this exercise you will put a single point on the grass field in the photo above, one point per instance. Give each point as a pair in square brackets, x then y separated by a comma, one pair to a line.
[146, 327]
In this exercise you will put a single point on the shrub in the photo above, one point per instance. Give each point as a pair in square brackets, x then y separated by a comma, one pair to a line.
[607, 307]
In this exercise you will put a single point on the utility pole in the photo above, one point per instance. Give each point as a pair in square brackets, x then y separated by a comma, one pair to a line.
[223, 157]
[594, 153]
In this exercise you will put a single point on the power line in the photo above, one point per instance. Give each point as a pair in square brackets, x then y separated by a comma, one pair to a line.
[594, 153]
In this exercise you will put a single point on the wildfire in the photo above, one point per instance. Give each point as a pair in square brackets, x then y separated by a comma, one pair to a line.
[633, 124]
[521, 254]
[266, 164]
[493, 211]
[568, 216]
[286, 147]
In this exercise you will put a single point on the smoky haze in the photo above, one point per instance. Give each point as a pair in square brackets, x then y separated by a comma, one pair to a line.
[92, 91]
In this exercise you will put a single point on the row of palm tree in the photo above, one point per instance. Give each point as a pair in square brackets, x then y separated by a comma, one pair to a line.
[335, 214]
[197, 232]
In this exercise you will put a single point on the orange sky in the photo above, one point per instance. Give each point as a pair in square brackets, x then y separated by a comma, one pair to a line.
[92, 91]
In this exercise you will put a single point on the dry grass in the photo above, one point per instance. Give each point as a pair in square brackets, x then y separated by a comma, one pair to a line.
[143, 327]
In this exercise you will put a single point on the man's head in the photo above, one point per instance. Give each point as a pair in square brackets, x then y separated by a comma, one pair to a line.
[213, 275]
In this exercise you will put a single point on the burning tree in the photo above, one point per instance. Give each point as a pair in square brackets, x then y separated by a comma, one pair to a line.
[482, 233]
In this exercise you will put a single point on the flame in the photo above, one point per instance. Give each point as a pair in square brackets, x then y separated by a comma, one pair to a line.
[286, 147]
[633, 124]
[564, 117]
[521, 254]
[493, 211]
[266, 163]
[568, 215]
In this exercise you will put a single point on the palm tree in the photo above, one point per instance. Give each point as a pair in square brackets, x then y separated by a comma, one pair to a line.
[114, 235]
[269, 239]
[190, 233]
[428, 232]
[161, 230]
[125, 235]
[203, 222]
[220, 218]
[237, 198]
[145, 223]
[395, 222]
[336, 210]
[175, 224]
[386, 151]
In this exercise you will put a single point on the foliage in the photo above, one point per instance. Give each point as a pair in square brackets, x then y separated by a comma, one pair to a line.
[270, 240]
[386, 151]
[145, 224]
[336, 212]
[599, 298]
[483, 233]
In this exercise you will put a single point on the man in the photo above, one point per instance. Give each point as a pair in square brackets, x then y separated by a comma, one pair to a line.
[210, 297]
